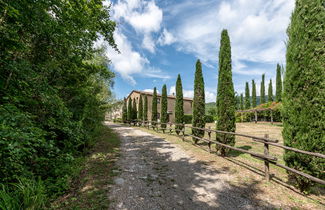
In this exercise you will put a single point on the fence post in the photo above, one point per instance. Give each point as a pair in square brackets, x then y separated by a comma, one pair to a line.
[183, 131]
[170, 128]
[255, 116]
[163, 129]
[209, 133]
[271, 117]
[266, 162]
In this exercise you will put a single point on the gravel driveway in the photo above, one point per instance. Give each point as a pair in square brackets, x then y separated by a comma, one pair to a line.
[155, 174]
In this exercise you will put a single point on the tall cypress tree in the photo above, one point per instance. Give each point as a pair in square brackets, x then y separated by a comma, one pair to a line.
[304, 95]
[124, 111]
[278, 94]
[226, 96]
[145, 108]
[198, 102]
[263, 100]
[253, 94]
[140, 111]
[164, 106]
[134, 110]
[129, 115]
[241, 102]
[179, 110]
[247, 97]
[270, 92]
[154, 111]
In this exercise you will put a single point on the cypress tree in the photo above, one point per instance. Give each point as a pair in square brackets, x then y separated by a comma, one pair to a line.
[134, 110]
[253, 94]
[179, 110]
[140, 111]
[247, 97]
[241, 102]
[304, 95]
[237, 97]
[278, 93]
[129, 115]
[154, 111]
[198, 102]
[124, 112]
[270, 92]
[263, 100]
[164, 106]
[145, 108]
[226, 96]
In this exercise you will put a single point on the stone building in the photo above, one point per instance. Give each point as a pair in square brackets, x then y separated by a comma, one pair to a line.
[188, 103]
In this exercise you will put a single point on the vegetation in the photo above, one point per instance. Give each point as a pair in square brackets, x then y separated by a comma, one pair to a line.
[145, 108]
[241, 102]
[304, 95]
[278, 94]
[247, 97]
[154, 111]
[179, 109]
[270, 92]
[134, 109]
[254, 104]
[124, 111]
[140, 111]
[225, 96]
[198, 102]
[263, 99]
[164, 106]
[130, 110]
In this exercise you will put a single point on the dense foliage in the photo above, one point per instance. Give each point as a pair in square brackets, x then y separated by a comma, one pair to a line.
[140, 111]
[198, 102]
[164, 106]
[241, 102]
[134, 109]
[254, 102]
[225, 95]
[179, 109]
[263, 98]
[247, 97]
[54, 87]
[154, 111]
[130, 110]
[145, 108]
[270, 92]
[124, 111]
[304, 85]
[278, 93]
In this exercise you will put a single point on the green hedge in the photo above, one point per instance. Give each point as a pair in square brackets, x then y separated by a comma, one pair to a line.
[188, 118]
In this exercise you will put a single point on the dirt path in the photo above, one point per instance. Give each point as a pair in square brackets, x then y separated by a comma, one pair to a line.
[155, 174]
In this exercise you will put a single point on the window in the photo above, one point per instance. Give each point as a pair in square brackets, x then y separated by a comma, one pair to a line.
[158, 100]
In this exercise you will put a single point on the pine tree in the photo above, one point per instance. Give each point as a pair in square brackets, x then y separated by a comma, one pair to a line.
[140, 111]
[241, 102]
[270, 92]
[226, 96]
[253, 94]
[129, 115]
[179, 110]
[124, 111]
[154, 111]
[247, 97]
[145, 108]
[304, 95]
[278, 94]
[198, 102]
[134, 110]
[164, 106]
[263, 100]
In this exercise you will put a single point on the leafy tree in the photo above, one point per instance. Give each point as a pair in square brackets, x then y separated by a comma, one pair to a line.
[304, 95]
[253, 94]
[263, 100]
[237, 98]
[247, 97]
[179, 110]
[124, 111]
[140, 111]
[270, 92]
[145, 108]
[198, 102]
[241, 102]
[154, 110]
[226, 96]
[278, 94]
[134, 109]
[164, 106]
[130, 110]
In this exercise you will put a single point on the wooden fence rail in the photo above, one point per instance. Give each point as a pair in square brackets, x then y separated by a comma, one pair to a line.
[266, 157]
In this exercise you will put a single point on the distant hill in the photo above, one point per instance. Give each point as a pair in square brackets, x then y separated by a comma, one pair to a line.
[208, 106]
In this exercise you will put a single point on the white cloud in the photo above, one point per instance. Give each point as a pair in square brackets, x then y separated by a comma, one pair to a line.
[148, 43]
[209, 96]
[166, 38]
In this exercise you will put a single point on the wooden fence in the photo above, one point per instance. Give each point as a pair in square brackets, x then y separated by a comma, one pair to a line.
[266, 156]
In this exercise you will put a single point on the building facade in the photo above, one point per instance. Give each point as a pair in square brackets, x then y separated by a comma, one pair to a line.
[171, 99]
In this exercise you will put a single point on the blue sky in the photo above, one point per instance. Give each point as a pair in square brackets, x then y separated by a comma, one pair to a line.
[159, 39]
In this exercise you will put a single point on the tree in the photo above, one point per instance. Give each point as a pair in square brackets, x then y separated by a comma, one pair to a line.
[270, 92]
[198, 103]
[130, 110]
[154, 111]
[134, 109]
[164, 107]
[145, 108]
[140, 111]
[179, 110]
[241, 102]
[124, 111]
[247, 97]
[304, 95]
[253, 94]
[263, 100]
[278, 94]
[226, 96]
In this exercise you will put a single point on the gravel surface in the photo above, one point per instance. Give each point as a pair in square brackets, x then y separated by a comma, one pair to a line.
[155, 174]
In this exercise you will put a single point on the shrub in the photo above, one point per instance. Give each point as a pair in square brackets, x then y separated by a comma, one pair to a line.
[208, 118]
[188, 119]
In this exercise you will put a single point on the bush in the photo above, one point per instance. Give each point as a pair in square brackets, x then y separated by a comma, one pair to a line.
[187, 118]
[209, 118]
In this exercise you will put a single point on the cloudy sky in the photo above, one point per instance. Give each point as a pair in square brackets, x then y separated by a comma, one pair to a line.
[159, 39]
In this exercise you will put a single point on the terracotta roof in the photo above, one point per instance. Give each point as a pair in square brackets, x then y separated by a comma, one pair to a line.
[159, 95]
